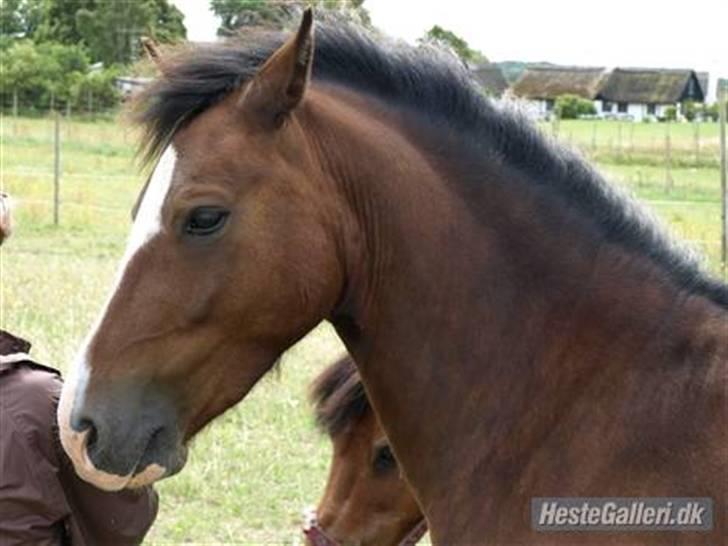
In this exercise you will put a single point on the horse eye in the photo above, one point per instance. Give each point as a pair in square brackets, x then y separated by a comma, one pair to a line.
[205, 221]
[383, 459]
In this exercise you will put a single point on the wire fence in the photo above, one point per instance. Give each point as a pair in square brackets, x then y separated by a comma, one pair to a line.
[62, 156]
[88, 105]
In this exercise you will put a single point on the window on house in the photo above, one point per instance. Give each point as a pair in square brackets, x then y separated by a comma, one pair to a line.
[606, 106]
[549, 105]
[622, 108]
[652, 109]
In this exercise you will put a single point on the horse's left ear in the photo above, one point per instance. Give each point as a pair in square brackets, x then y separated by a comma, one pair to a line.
[281, 82]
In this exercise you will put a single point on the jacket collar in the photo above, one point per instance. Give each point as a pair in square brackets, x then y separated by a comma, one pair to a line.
[14, 351]
[10, 344]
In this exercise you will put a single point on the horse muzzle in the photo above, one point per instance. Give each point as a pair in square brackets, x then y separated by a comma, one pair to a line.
[123, 438]
[316, 535]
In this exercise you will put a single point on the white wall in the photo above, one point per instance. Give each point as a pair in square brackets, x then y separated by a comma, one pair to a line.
[637, 111]
[535, 108]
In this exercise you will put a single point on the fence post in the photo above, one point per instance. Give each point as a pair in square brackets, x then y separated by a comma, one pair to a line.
[555, 125]
[668, 157]
[90, 98]
[15, 104]
[56, 168]
[594, 138]
[631, 139]
[696, 143]
[722, 105]
[619, 140]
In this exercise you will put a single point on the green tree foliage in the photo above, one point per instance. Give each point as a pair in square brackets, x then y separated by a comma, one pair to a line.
[59, 21]
[96, 90]
[699, 111]
[21, 18]
[440, 36]
[48, 46]
[690, 110]
[670, 113]
[42, 73]
[236, 14]
[112, 29]
[573, 107]
[168, 25]
[109, 29]
[710, 112]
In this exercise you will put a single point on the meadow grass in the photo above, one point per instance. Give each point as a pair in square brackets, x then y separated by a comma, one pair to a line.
[254, 468]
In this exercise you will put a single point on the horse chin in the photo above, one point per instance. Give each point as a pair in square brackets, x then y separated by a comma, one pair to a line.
[154, 471]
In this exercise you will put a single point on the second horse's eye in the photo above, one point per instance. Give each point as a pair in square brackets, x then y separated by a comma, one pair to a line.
[204, 221]
[383, 459]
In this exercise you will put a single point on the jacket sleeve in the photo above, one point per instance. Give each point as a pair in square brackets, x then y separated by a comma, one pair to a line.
[33, 506]
[120, 518]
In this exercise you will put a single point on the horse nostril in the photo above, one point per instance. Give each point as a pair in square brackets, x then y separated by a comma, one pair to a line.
[85, 424]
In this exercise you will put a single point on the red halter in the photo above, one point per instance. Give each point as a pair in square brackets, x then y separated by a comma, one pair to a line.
[317, 536]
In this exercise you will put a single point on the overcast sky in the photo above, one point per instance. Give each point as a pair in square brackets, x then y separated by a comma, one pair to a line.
[644, 33]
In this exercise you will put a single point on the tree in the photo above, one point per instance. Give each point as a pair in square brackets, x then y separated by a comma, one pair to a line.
[442, 37]
[235, 14]
[96, 89]
[573, 107]
[169, 24]
[109, 29]
[112, 30]
[42, 73]
[21, 18]
[59, 21]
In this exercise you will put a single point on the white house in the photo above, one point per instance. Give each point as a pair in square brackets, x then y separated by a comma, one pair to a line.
[622, 93]
[639, 93]
[539, 87]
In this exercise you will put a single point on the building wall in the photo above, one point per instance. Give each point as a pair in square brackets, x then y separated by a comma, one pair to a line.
[538, 109]
[535, 108]
[635, 111]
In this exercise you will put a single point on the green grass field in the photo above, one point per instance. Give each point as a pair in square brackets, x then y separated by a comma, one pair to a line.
[252, 471]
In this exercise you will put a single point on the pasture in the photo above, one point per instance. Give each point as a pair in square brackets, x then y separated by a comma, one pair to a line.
[255, 468]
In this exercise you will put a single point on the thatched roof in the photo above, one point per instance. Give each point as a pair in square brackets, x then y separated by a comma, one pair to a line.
[651, 86]
[552, 82]
[491, 78]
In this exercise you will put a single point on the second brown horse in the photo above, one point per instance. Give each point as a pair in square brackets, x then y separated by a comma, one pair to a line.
[366, 500]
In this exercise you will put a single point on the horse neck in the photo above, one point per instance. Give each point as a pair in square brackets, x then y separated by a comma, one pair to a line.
[477, 317]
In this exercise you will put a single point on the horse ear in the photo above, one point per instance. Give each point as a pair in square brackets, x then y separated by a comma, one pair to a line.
[280, 84]
[151, 48]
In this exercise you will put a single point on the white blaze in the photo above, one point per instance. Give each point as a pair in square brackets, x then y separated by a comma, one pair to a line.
[149, 216]
[148, 223]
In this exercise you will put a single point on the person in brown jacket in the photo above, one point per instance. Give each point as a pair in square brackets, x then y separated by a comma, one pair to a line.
[42, 500]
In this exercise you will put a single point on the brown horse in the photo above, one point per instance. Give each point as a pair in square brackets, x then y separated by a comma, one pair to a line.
[488, 284]
[366, 501]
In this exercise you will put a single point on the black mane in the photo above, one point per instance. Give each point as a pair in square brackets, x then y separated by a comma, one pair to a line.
[439, 90]
[338, 397]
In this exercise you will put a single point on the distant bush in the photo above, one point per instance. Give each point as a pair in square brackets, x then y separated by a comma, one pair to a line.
[690, 110]
[670, 113]
[706, 112]
[573, 107]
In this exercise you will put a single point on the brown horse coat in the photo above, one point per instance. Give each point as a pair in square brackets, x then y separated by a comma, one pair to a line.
[488, 284]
